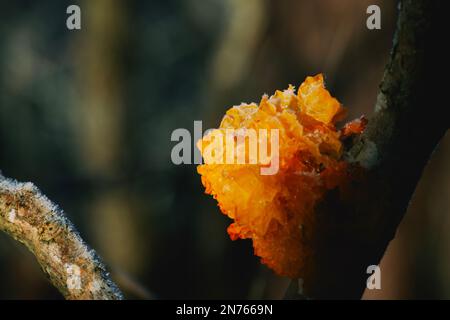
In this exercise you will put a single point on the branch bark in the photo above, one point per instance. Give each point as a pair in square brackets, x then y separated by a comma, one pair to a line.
[72, 267]
[355, 226]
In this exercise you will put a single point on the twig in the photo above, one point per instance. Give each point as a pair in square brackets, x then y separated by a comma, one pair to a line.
[72, 267]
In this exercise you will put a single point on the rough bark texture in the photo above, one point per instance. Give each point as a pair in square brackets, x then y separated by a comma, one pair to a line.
[72, 267]
[354, 226]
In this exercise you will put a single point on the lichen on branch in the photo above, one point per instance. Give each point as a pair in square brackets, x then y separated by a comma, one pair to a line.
[72, 267]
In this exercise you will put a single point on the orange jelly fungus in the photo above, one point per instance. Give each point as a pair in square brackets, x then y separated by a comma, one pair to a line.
[277, 211]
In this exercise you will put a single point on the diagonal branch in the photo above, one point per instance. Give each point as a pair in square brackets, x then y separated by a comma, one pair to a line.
[72, 267]
[355, 226]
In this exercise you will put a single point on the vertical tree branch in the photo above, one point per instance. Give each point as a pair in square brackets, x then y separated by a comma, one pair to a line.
[355, 226]
[72, 267]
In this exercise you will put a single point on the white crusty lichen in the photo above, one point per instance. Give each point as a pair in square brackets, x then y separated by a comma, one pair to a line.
[73, 276]
[31, 218]
[365, 152]
[95, 285]
[54, 252]
[12, 215]
[368, 156]
[381, 102]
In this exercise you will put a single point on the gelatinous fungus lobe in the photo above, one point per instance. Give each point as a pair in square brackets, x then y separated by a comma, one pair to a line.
[277, 211]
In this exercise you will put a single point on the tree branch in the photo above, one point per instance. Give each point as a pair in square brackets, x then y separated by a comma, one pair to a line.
[355, 225]
[72, 267]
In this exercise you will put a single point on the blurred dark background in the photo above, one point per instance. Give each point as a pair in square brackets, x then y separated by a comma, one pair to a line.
[87, 116]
